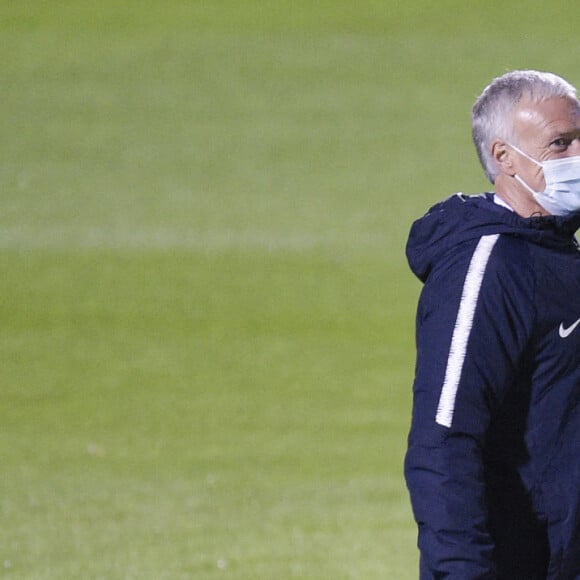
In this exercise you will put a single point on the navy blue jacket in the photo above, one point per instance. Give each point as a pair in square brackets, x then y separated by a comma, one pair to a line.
[493, 462]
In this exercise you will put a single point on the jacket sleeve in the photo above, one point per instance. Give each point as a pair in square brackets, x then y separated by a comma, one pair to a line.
[473, 324]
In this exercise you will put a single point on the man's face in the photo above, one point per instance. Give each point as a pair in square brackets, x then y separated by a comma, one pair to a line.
[546, 130]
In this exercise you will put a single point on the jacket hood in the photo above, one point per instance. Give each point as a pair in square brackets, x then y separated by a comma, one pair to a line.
[461, 218]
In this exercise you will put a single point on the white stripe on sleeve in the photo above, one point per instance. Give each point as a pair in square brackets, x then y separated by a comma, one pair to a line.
[462, 329]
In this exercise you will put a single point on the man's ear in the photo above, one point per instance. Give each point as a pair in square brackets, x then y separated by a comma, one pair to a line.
[502, 155]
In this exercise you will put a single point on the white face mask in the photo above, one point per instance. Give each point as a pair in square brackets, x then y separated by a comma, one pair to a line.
[561, 195]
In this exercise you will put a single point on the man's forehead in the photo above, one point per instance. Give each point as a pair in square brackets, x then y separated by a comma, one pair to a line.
[555, 115]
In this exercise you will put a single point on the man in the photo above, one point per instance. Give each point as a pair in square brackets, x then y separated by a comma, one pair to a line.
[493, 463]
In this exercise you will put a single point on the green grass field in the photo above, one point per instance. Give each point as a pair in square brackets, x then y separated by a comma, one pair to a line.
[206, 333]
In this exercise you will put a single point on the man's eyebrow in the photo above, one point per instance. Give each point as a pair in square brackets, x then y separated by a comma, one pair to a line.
[573, 134]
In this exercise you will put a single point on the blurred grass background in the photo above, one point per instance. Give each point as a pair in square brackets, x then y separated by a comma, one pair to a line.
[206, 333]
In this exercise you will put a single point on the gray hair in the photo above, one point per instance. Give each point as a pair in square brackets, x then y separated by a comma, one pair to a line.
[492, 114]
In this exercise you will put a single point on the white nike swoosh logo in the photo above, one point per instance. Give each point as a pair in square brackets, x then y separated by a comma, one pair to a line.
[566, 332]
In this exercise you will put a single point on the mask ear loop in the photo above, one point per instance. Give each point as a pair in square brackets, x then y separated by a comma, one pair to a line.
[525, 154]
[522, 182]
[517, 177]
